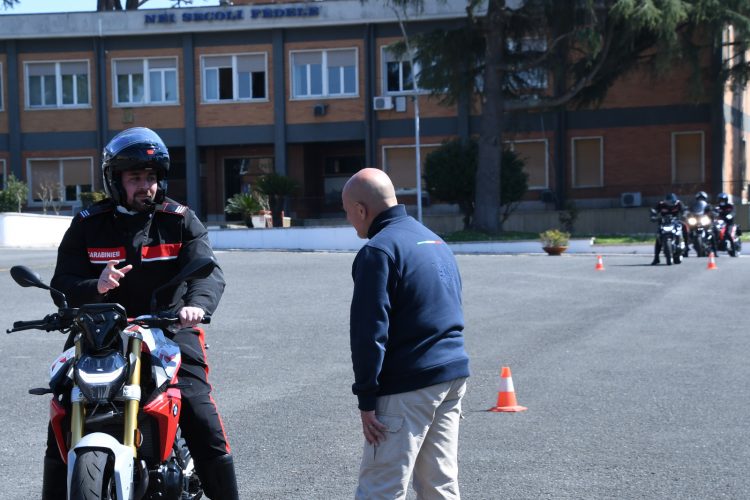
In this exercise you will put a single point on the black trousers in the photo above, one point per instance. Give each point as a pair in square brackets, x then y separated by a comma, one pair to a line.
[200, 422]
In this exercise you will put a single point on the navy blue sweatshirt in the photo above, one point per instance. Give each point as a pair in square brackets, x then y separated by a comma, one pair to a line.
[406, 323]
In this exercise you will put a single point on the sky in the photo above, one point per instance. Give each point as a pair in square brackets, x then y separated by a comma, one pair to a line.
[40, 6]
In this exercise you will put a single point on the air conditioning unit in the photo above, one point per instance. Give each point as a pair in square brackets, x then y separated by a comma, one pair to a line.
[630, 199]
[382, 102]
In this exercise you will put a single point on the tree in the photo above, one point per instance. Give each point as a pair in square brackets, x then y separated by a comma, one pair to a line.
[14, 195]
[107, 5]
[533, 55]
[450, 175]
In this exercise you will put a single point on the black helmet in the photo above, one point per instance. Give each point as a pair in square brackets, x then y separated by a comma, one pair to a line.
[671, 199]
[722, 198]
[137, 148]
[701, 195]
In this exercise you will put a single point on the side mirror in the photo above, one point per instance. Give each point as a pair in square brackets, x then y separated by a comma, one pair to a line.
[26, 278]
[196, 269]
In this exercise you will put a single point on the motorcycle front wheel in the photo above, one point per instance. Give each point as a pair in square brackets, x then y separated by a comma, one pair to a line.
[666, 244]
[93, 477]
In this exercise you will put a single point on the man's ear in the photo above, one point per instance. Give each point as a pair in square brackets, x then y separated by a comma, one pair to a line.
[361, 211]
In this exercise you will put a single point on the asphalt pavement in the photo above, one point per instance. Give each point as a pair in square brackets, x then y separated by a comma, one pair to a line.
[635, 377]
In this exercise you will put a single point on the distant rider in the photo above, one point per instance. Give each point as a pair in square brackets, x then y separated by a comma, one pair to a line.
[700, 207]
[670, 205]
[724, 210]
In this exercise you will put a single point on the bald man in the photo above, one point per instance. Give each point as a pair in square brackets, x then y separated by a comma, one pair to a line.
[406, 334]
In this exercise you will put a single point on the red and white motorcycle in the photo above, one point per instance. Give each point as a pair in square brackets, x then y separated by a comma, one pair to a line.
[116, 398]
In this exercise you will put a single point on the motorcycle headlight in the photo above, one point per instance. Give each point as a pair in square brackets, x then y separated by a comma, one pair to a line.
[100, 378]
[692, 221]
[705, 221]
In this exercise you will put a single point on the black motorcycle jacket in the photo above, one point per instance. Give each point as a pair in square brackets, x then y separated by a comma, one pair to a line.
[724, 210]
[664, 208]
[157, 244]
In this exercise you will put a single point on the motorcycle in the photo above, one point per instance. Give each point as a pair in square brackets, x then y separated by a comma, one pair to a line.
[728, 235]
[670, 236]
[700, 230]
[116, 398]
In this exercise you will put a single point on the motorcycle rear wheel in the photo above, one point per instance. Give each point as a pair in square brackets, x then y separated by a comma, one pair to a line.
[93, 477]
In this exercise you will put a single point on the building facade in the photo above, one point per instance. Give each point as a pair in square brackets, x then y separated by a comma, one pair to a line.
[311, 90]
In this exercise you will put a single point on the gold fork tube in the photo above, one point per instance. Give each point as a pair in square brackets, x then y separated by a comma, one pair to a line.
[77, 413]
[131, 406]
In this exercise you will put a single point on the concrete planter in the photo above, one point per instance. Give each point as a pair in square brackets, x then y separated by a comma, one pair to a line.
[19, 230]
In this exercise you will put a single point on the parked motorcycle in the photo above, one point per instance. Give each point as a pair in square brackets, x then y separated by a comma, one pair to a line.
[670, 236]
[700, 229]
[116, 398]
[727, 235]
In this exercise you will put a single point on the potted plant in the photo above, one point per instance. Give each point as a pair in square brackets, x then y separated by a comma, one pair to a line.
[244, 204]
[277, 188]
[554, 241]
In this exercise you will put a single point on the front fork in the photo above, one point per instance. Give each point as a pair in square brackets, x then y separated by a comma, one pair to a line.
[131, 392]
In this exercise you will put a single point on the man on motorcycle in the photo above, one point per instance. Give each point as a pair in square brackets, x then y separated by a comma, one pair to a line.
[120, 250]
[724, 210]
[670, 205]
[700, 207]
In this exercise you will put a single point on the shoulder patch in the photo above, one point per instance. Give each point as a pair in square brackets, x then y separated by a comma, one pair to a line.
[172, 208]
[96, 209]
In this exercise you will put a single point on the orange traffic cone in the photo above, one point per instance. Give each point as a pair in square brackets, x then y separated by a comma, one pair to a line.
[506, 395]
[711, 261]
[599, 263]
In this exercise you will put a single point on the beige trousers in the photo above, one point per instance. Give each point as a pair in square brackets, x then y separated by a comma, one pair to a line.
[422, 440]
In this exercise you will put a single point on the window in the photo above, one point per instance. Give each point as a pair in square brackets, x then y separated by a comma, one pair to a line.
[239, 77]
[324, 73]
[533, 78]
[146, 81]
[535, 157]
[57, 84]
[587, 162]
[65, 178]
[399, 163]
[398, 76]
[687, 157]
[338, 170]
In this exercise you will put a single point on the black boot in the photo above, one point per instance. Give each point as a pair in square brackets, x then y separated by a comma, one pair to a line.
[218, 478]
[655, 261]
[55, 479]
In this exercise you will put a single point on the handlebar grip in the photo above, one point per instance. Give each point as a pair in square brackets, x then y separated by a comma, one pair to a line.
[206, 320]
[18, 326]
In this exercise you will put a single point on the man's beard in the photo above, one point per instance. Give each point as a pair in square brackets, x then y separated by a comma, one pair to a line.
[141, 202]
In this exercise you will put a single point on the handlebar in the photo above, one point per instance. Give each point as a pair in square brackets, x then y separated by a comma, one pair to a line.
[63, 319]
[58, 321]
[164, 320]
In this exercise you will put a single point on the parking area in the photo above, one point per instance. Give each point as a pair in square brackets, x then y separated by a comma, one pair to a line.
[635, 377]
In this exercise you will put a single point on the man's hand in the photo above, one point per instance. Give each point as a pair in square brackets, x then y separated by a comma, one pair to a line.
[190, 316]
[373, 430]
[110, 277]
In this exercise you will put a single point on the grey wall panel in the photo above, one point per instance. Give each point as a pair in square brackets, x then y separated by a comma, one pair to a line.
[57, 141]
[326, 132]
[427, 126]
[639, 117]
[225, 136]
[70, 45]
[325, 33]
[145, 42]
[232, 38]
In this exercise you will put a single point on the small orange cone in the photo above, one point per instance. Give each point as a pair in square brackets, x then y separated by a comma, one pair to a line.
[506, 395]
[711, 261]
[599, 263]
